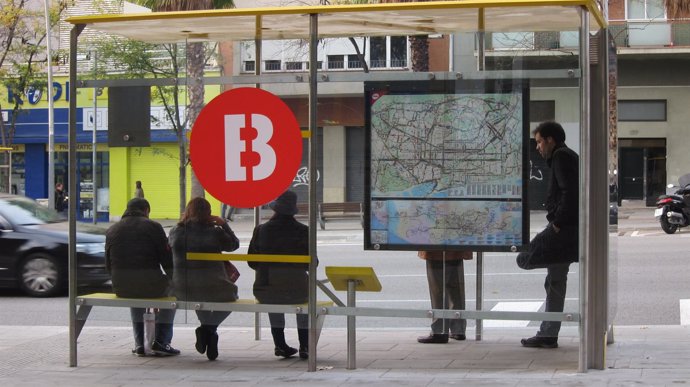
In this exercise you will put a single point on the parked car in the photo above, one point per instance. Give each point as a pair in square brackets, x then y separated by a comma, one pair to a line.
[33, 249]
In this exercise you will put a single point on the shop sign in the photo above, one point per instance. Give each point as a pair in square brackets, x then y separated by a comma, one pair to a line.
[246, 147]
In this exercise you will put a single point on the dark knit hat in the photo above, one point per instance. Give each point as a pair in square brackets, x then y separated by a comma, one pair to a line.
[285, 204]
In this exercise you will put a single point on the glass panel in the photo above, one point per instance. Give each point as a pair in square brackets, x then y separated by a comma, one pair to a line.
[642, 110]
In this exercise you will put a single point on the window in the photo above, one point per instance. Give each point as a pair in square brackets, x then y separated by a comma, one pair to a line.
[642, 110]
[336, 61]
[512, 40]
[272, 65]
[645, 9]
[398, 51]
[293, 65]
[249, 66]
[540, 111]
[385, 49]
[377, 55]
[353, 62]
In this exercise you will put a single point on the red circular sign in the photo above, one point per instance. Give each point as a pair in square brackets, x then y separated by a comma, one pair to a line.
[246, 147]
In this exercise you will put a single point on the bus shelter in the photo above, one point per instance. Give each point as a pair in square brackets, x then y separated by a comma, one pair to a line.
[495, 61]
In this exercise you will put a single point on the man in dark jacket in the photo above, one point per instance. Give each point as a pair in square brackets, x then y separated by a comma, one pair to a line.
[282, 283]
[135, 250]
[558, 242]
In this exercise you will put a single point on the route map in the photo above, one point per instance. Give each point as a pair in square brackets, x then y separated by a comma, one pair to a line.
[446, 169]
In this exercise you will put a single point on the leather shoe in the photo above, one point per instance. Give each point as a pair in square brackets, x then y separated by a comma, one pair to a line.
[434, 338]
[458, 336]
[285, 352]
[540, 342]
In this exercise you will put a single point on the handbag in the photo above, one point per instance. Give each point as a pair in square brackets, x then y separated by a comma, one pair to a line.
[550, 248]
[231, 271]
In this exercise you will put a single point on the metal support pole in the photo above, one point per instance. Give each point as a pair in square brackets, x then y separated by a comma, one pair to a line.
[479, 295]
[94, 160]
[585, 186]
[351, 326]
[51, 112]
[313, 149]
[72, 207]
[257, 210]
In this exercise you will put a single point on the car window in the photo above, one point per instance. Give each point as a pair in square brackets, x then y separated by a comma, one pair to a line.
[25, 212]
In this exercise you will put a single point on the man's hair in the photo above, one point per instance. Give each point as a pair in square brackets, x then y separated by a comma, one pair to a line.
[138, 204]
[551, 129]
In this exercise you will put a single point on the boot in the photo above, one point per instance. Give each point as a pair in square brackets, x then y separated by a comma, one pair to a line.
[281, 347]
[210, 331]
[303, 335]
[138, 330]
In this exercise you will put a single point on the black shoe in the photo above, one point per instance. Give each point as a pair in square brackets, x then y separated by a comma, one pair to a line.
[285, 352]
[458, 336]
[139, 351]
[163, 349]
[434, 338]
[212, 349]
[304, 352]
[201, 341]
[540, 342]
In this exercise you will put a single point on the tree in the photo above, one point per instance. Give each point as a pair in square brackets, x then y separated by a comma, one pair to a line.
[22, 56]
[134, 59]
[196, 59]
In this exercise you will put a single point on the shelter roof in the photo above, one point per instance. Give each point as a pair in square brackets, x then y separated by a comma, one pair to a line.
[390, 19]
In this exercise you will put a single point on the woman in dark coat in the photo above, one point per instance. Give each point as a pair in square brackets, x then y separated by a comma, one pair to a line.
[200, 232]
[283, 283]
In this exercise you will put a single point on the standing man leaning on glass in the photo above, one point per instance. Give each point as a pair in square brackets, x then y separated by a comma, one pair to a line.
[556, 247]
[135, 250]
[445, 272]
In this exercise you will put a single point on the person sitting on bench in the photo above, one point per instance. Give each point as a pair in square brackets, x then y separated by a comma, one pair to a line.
[135, 250]
[283, 283]
[200, 232]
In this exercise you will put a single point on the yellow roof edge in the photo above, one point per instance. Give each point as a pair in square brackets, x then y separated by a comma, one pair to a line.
[591, 5]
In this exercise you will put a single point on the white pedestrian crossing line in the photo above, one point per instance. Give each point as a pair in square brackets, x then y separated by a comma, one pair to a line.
[512, 307]
[685, 312]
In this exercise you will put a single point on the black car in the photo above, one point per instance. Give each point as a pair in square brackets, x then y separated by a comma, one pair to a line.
[33, 249]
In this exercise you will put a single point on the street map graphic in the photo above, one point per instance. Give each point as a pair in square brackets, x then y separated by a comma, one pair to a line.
[446, 169]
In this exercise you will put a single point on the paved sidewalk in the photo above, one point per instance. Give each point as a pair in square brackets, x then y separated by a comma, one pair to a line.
[641, 356]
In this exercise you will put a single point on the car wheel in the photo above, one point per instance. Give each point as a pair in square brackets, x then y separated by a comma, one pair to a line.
[41, 275]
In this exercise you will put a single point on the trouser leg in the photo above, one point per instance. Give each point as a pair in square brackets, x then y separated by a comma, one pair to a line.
[434, 275]
[164, 325]
[277, 321]
[555, 285]
[303, 330]
[211, 318]
[455, 294]
[137, 315]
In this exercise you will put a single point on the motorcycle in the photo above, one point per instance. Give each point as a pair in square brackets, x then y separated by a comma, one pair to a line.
[673, 211]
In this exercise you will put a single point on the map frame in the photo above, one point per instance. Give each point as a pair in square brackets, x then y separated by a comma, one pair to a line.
[516, 202]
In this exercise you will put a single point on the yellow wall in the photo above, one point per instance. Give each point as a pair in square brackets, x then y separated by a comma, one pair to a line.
[157, 168]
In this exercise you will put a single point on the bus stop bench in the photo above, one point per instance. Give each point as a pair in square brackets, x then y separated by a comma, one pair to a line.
[341, 211]
[86, 302]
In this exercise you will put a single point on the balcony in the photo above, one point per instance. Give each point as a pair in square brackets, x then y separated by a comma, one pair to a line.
[650, 34]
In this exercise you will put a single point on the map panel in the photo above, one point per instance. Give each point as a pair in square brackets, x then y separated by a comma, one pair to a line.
[446, 222]
[447, 168]
[447, 145]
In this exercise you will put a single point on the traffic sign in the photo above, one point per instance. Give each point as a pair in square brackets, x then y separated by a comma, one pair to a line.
[246, 147]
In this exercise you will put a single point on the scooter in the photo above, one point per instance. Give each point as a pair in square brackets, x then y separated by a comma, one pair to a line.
[673, 211]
